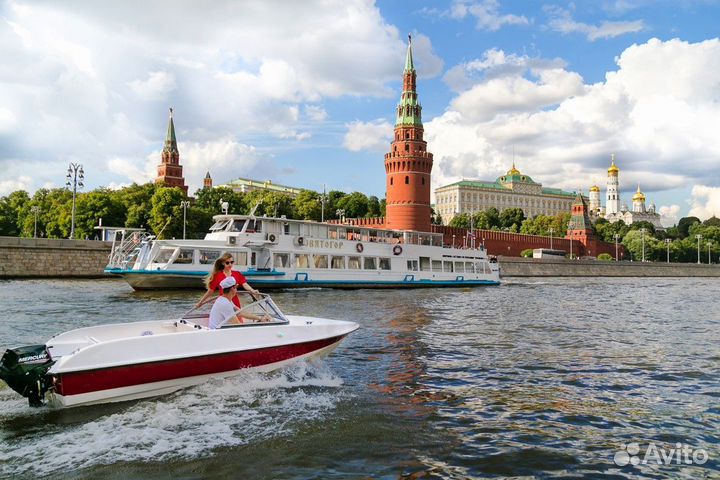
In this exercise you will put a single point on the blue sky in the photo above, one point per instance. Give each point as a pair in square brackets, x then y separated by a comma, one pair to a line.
[304, 95]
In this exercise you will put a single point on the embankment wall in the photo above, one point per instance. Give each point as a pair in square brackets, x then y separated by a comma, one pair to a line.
[45, 257]
[531, 267]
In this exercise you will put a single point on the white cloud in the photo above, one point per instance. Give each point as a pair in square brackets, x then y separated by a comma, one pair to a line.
[660, 122]
[487, 14]
[375, 135]
[315, 113]
[705, 202]
[21, 183]
[563, 22]
[157, 86]
[669, 215]
[84, 81]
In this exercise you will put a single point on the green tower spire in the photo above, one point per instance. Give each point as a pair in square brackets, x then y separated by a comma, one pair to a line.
[409, 67]
[170, 141]
[409, 110]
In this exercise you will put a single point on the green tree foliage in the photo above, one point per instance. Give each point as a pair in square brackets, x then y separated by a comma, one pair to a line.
[166, 212]
[210, 199]
[92, 206]
[712, 222]
[606, 231]
[307, 206]
[136, 200]
[527, 253]
[355, 205]
[373, 207]
[11, 212]
[541, 225]
[605, 257]
[684, 225]
[461, 220]
[512, 218]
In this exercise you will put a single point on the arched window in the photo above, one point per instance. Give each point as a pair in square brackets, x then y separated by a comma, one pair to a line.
[407, 180]
[407, 134]
[407, 147]
[423, 180]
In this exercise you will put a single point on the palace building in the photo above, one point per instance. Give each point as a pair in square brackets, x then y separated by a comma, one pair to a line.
[170, 172]
[512, 190]
[244, 185]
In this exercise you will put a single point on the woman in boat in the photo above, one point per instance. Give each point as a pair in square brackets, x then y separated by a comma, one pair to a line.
[222, 269]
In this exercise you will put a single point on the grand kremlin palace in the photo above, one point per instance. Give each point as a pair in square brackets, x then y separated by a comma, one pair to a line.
[514, 189]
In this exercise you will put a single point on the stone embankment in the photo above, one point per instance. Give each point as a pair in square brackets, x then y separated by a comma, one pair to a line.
[535, 267]
[44, 257]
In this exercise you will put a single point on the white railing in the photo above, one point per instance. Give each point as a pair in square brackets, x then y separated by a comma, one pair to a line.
[126, 249]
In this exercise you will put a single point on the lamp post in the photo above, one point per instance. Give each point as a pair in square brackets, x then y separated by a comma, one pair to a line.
[75, 177]
[453, 241]
[698, 236]
[708, 244]
[185, 204]
[322, 199]
[616, 236]
[35, 210]
[340, 213]
[667, 242]
[551, 238]
[225, 206]
[642, 232]
[571, 254]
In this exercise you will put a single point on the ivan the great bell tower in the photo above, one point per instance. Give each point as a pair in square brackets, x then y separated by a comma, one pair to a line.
[408, 165]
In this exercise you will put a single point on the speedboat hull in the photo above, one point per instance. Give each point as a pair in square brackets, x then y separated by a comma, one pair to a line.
[119, 362]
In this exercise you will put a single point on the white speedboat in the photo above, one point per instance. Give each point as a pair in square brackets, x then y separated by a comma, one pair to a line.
[126, 361]
[284, 253]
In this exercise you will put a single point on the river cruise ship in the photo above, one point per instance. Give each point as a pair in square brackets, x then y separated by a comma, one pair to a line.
[284, 253]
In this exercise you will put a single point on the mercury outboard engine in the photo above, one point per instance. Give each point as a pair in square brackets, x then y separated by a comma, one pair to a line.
[24, 369]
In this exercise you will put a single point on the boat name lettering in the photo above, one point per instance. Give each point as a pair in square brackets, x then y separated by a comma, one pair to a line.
[324, 244]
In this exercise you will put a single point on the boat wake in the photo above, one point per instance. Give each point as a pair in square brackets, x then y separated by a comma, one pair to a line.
[190, 423]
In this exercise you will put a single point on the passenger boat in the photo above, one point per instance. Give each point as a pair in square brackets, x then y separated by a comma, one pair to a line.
[284, 253]
[126, 361]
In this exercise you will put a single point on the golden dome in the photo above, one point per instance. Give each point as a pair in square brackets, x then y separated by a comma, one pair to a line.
[639, 196]
[594, 188]
[613, 170]
[513, 170]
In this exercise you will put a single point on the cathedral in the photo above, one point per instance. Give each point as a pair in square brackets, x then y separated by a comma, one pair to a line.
[614, 210]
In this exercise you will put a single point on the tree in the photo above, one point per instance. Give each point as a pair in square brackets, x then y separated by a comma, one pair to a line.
[373, 207]
[355, 205]
[487, 219]
[712, 222]
[209, 199]
[527, 253]
[512, 216]
[92, 206]
[684, 225]
[11, 208]
[166, 219]
[136, 200]
[307, 206]
[605, 257]
[461, 220]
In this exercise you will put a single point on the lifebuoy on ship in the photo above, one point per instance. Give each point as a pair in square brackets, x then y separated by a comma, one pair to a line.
[272, 238]
[359, 247]
[397, 250]
[300, 241]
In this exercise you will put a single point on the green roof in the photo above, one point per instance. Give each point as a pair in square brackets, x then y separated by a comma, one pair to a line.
[170, 141]
[409, 67]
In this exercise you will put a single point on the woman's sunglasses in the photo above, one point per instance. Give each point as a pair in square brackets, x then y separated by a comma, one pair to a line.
[229, 262]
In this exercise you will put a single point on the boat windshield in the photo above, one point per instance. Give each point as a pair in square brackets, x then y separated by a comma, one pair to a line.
[219, 225]
[253, 312]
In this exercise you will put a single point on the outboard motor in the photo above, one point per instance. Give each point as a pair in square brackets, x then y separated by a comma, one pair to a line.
[24, 369]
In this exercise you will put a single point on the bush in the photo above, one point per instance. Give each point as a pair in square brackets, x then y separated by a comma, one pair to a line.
[604, 256]
[527, 253]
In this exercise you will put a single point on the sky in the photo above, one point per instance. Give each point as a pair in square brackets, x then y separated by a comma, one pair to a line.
[303, 93]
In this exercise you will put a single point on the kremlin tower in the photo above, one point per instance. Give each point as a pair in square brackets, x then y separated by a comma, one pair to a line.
[408, 164]
[170, 172]
[612, 203]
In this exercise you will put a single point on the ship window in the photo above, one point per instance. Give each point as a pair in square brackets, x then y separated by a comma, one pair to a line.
[237, 226]
[164, 255]
[469, 267]
[384, 264]
[219, 225]
[459, 267]
[240, 258]
[354, 263]
[185, 256]
[341, 234]
[338, 262]
[370, 263]
[332, 233]
[425, 264]
[301, 261]
[320, 261]
[281, 260]
[412, 265]
[208, 256]
[447, 266]
[437, 265]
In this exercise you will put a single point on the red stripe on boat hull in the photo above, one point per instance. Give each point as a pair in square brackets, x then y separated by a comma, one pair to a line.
[74, 383]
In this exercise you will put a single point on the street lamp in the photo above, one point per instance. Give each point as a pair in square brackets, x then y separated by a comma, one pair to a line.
[667, 242]
[35, 210]
[75, 177]
[322, 200]
[616, 236]
[551, 237]
[185, 204]
[642, 232]
[225, 206]
[708, 244]
[698, 236]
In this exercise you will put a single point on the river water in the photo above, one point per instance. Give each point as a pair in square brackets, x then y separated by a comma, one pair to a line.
[532, 378]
